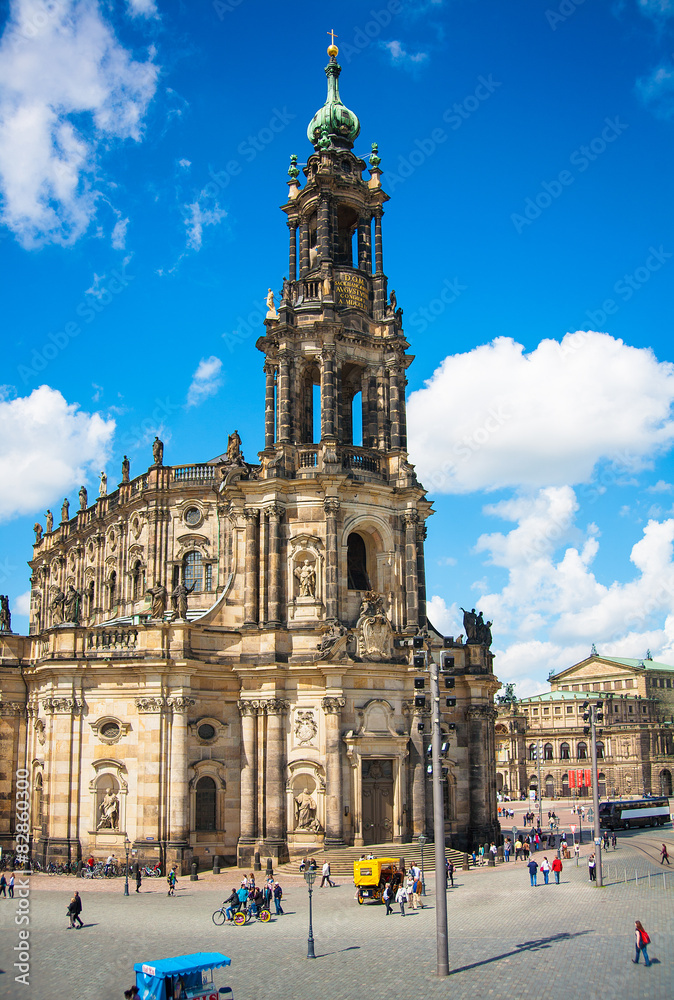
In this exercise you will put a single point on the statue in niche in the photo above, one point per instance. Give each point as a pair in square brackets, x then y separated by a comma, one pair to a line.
[126, 468]
[71, 605]
[159, 595]
[50, 521]
[158, 451]
[306, 577]
[57, 606]
[84, 499]
[109, 811]
[305, 812]
[37, 528]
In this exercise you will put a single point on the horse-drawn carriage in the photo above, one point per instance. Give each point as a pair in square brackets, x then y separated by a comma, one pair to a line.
[370, 876]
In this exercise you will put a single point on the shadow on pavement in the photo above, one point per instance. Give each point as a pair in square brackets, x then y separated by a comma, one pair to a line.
[352, 947]
[520, 949]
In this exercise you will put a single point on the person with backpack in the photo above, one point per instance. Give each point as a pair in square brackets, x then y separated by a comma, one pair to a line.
[556, 868]
[278, 896]
[642, 942]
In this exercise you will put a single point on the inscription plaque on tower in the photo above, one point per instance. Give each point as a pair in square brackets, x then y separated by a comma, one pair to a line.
[351, 291]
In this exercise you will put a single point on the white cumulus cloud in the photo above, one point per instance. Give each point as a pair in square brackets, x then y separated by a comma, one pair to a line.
[206, 380]
[496, 417]
[68, 89]
[197, 216]
[47, 447]
[401, 57]
[142, 8]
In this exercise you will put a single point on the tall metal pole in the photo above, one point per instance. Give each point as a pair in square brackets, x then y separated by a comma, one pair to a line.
[310, 877]
[439, 830]
[595, 797]
[540, 790]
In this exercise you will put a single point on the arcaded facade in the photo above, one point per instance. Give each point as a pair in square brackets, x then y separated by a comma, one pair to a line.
[221, 655]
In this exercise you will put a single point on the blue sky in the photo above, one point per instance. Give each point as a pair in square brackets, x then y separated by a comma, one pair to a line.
[527, 149]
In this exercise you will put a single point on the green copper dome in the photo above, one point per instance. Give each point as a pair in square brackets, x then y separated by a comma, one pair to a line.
[333, 125]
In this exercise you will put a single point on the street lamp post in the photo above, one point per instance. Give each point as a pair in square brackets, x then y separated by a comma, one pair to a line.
[595, 715]
[310, 878]
[442, 944]
[127, 845]
[422, 840]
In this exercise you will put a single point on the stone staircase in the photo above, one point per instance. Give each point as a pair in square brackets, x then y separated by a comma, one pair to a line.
[342, 859]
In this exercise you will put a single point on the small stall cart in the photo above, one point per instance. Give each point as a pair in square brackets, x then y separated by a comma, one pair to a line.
[187, 977]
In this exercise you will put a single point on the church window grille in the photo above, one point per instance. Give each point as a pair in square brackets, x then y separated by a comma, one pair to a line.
[565, 751]
[205, 804]
[357, 563]
[193, 571]
[206, 731]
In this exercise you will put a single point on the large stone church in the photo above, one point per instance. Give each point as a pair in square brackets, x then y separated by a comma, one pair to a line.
[229, 656]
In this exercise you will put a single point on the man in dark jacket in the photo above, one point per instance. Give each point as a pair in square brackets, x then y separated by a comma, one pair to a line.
[74, 910]
[533, 869]
[231, 904]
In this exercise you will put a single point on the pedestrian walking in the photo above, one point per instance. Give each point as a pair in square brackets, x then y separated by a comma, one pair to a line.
[386, 896]
[401, 898]
[664, 856]
[326, 876]
[450, 873]
[592, 868]
[642, 942]
[507, 848]
[518, 849]
[556, 868]
[413, 896]
[278, 896]
[3, 885]
[576, 851]
[74, 910]
[10, 886]
[172, 879]
[545, 868]
[614, 841]
[139, 878]
[533, 871]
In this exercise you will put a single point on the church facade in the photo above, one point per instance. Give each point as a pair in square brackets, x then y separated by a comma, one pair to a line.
[228, 657]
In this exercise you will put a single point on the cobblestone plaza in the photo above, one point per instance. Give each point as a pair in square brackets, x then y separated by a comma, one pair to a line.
[506, 938]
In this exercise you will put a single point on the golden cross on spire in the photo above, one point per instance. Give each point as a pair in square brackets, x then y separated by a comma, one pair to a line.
[333, 35]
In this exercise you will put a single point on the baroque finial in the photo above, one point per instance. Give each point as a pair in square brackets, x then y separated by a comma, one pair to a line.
[375, 158]
[293, 169]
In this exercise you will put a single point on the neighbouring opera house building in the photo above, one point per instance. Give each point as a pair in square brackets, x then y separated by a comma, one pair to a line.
[635, 751]
[220, 656]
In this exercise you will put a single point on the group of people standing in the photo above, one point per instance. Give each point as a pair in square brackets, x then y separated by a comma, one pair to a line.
[409, 891]
[255, 897]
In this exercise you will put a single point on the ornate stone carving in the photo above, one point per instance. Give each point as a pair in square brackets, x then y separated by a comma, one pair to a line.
[109, 811]
[251, 513]
[249, 707]
[39, 732]
[180, 703]
[306, 577]
[275, 510]
[411, 518]
[11, 707]
[274, 706]
[373, 630]
[333, 645]
[305, 812]
[332, 705]
[148, 705]
[331, 506]
[110, 730]
[305, 727]
[62, 706]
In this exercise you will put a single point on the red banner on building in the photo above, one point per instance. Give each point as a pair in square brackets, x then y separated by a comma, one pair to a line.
[579, 778]
[572, 779]
[588, 778]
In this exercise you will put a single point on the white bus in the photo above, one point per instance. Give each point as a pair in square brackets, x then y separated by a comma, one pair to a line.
[624, 814]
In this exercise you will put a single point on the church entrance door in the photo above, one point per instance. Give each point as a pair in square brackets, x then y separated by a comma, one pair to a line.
[377, 801]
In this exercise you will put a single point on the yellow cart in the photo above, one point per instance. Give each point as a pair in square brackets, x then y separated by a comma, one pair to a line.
[371, 875]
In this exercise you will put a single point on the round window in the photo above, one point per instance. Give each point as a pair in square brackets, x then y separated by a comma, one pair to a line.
[192, 515]
[110, 730]
[206, 731]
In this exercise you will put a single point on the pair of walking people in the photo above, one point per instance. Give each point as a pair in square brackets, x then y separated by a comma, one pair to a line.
[401, 897]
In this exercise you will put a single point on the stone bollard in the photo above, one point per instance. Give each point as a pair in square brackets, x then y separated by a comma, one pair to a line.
[466, 863]
[270, 868]
[216, 864]
[257, 867]
[500, 854]
[80, 866]
[194, 877]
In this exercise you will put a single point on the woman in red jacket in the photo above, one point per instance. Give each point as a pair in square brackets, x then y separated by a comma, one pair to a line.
[556, 867]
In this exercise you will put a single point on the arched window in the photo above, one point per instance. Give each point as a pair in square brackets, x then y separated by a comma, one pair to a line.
[601, 784]
[666, 782]
[582, 751]
[600, 751]
[565, 752]
[532, 751]
[205, 804]
[565, 784]
[356, 555]
[549, 786]
[547, 751]
[112, 589]
[138, 577]
[193, 571]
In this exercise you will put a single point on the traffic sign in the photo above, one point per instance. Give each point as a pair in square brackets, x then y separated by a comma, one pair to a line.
[573, 829]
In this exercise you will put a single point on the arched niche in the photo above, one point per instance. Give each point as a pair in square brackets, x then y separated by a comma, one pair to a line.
[109, 791]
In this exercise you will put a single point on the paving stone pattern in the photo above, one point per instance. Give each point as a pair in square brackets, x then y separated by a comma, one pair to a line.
[507, 940]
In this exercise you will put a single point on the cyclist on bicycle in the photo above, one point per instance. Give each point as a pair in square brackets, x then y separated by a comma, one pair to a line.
[230, 904]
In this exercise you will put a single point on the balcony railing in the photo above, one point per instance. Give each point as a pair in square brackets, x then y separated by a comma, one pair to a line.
[193, 473]
[118, 638]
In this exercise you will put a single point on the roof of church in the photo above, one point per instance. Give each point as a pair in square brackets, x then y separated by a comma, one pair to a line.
[642, 663]
[333, 124]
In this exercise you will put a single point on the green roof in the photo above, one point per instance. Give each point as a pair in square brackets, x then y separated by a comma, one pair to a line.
[627, 662]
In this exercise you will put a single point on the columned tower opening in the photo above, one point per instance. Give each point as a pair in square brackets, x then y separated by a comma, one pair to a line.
[356, 555]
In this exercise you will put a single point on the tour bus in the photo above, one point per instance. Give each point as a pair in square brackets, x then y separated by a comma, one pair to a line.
[632, 813]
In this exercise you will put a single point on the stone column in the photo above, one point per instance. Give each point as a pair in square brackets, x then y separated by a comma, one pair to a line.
[422, 531]
[275, 780]
[304, 248]
[331, 507]
[323, 233]
[394, 406]
[382, 409]
[411, 579]
[378, 246]
[402, 403]
[283, 388]
[333, 772]
[270, 373]
[292, 251]
[328, 415]
[275, 513]
[250, 571]
[178, 832]
[247, 824]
